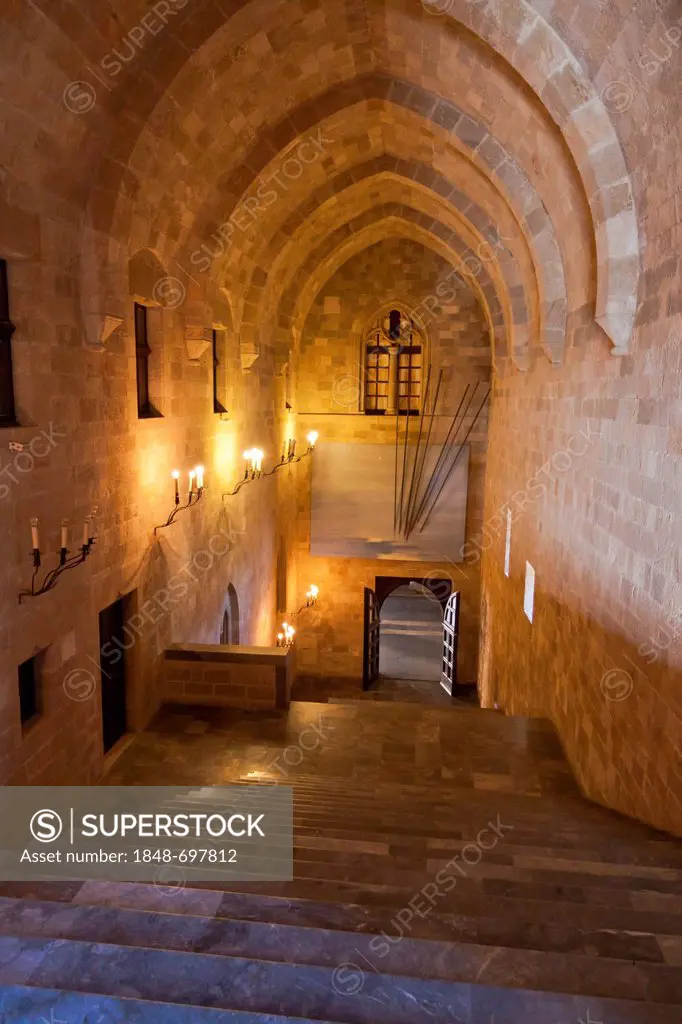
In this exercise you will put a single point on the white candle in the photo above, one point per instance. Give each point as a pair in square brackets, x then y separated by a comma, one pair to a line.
[35, 537]
[65, 534]
[176, 479]
[191, 482]
[86, 532]
[200, 477]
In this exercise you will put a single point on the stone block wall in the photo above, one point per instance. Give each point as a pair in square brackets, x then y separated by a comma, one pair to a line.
[592, 501]
[229, 677]
[78, 415]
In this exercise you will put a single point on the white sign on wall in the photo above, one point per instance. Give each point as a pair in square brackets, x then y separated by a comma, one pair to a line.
[529, 595]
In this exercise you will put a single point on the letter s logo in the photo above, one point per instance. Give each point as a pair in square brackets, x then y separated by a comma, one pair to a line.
[46, 826]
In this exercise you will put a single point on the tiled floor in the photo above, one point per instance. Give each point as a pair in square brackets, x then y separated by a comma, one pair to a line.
[406, 743]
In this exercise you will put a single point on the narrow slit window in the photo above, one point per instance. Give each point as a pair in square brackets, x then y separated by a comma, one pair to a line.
[142, 354]
[7, 408]
[218, 374]
[29, 690]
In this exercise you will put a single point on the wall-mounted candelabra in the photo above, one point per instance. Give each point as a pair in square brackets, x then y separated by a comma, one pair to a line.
[254, 458]
[288, 635]
[66, 560]
[311, 598]
[194, 494]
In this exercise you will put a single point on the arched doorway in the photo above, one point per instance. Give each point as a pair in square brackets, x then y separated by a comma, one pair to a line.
[229, 630]
[411, 643]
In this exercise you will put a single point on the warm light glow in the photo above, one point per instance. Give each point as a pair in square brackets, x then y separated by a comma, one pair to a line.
[312, 438]
[254, 457]
[176, 474]
[314, 591]
[200, 477]
[192, 475]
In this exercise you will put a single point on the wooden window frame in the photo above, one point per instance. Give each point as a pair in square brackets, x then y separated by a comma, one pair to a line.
[406, 354]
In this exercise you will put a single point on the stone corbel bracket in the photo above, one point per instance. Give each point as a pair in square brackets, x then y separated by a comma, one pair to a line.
[249, 356]
[198, 340]
[99, 329]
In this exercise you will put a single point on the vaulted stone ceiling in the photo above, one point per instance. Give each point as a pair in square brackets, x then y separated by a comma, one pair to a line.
[264, 141]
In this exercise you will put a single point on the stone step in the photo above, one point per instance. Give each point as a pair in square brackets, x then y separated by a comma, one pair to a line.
[346, 995]
[421, 800]
[412, 844]
[555, 935]
[326, 820]
[403, 956]
[375, 864]
[535, 910]
[22, 1004]
[459, 801]
[492, 860]
[408, 842]
[552, 933]
[484, 879]
[487, 884]
[447, 820]
[486, 725]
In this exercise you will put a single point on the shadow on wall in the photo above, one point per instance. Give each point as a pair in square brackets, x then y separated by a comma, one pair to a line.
[411, 635]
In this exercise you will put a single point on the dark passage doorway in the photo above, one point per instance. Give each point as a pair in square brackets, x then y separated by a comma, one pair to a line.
[411, 635]
[112, 646]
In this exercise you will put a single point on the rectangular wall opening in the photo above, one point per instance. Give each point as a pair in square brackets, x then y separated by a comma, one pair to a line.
[30, 690]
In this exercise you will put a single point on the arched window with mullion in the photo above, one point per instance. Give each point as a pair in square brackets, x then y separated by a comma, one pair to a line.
[393, 366]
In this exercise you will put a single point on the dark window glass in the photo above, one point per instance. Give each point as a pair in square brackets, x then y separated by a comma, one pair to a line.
[28, 690]
[394, 321]
[218, 380]
[142, 353]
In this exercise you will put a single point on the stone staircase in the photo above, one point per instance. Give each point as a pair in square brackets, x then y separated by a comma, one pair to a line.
[552, 910]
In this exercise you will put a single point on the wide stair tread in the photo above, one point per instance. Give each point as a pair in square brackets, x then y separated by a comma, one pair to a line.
[350, 996]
